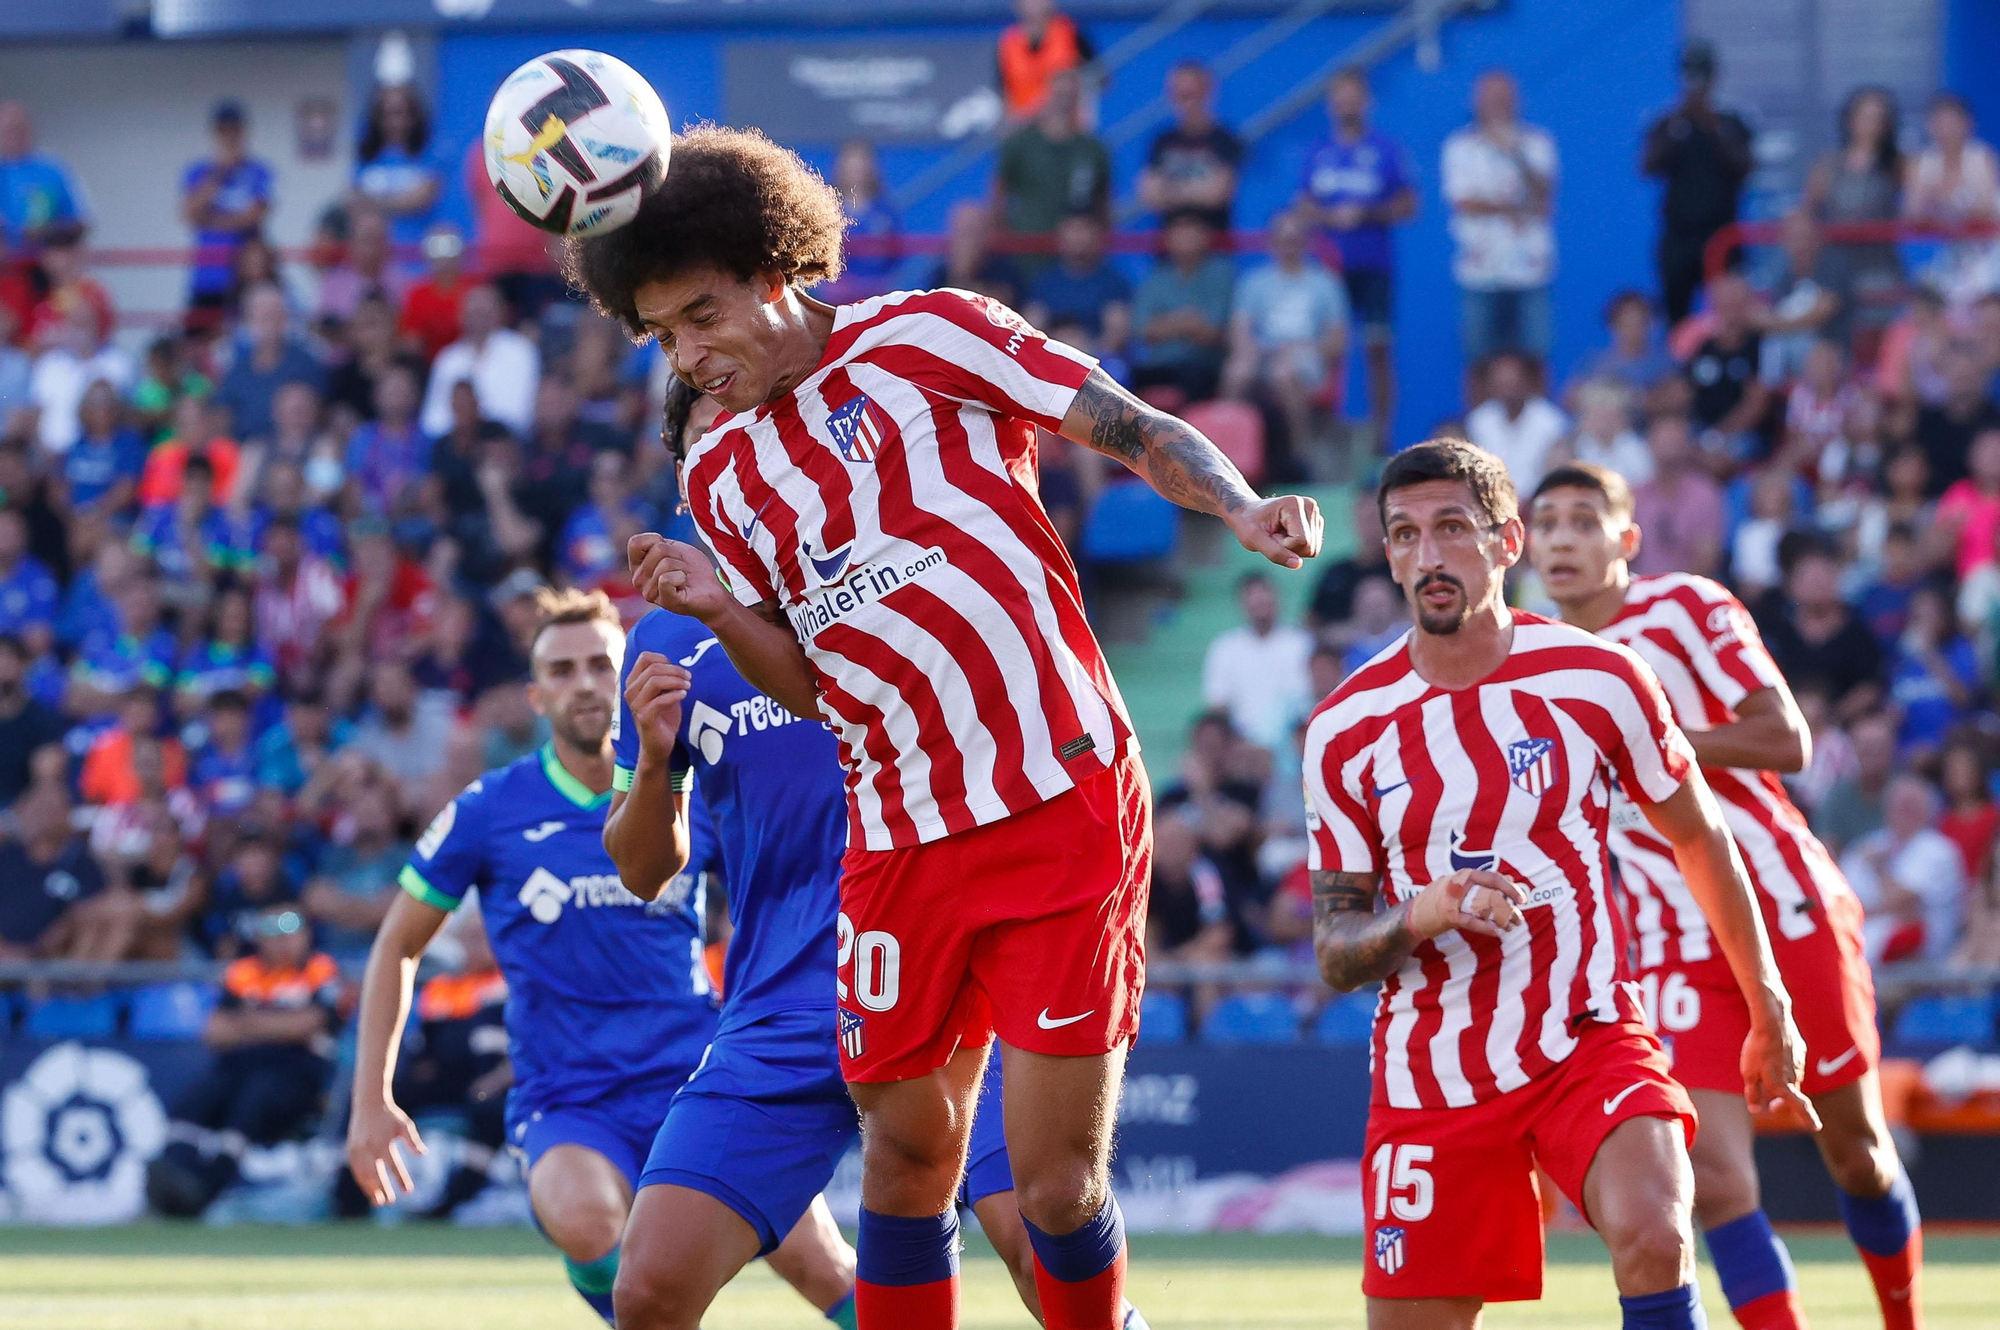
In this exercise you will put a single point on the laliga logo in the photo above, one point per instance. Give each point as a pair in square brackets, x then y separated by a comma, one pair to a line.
[76, 1131]
[544, 894]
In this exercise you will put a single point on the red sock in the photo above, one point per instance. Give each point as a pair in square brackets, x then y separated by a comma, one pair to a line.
[907, 1306]
[1773, 1311]
[1897, 1286]
[1097, 1303]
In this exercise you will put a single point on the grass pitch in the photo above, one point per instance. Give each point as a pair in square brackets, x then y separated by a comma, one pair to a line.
[358, 1277]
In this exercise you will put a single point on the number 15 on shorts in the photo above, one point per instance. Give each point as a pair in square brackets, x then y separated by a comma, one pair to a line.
[1403, 1186]
[875, 961]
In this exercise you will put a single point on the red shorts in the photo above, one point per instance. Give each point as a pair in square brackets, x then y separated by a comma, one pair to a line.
[1033, 927]
[1454, 1210]
[1703, 1020]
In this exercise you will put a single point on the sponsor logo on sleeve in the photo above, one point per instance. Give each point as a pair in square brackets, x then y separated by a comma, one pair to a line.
[440, 827]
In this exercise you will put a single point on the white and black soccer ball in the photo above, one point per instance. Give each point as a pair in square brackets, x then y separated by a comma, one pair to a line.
[574, 140]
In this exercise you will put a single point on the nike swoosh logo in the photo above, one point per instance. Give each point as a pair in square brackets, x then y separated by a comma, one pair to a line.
[832, 565]
[1828, 1066]
[1047, 1024]
[1611, 1104]
[700, 650]
[1384, 791]
[536, 835]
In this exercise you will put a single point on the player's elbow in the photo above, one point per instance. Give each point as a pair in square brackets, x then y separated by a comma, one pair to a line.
[1793, 751]
[1335, 967]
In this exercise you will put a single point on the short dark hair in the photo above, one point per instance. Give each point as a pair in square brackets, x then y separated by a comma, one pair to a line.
[1255, 577]
[13, 645]
[732, 198]
[674, 412]
[229, 699]
[198, 462]
[1452, 459]
[1589, 476]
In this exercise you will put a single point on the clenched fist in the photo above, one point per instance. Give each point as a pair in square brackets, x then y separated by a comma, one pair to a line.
[676, 576]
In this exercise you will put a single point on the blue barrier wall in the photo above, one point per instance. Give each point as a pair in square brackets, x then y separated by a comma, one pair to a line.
[1593, 71]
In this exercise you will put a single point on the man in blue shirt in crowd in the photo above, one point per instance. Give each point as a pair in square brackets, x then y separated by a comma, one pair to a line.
[225, 200]
[36, 194]
[1357, 186]
[609, 1006]
[772, 788]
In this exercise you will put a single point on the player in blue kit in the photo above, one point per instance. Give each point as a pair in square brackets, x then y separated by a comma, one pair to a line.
[755, 1135]
[609, 1005]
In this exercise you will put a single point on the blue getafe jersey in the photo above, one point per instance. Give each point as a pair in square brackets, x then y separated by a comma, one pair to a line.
[604, 991]
[772, 785]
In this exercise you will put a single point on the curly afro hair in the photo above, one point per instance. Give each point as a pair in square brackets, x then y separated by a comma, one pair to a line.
[731, 198]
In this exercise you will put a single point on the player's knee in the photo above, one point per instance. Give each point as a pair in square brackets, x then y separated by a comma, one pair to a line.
[1061, 1198]
[652, 1295]
[906, 1175]
[1652, 1249]
[1861, 1165]
[583, 1230]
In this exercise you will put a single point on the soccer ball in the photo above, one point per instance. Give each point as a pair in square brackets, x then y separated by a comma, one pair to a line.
[574, 140]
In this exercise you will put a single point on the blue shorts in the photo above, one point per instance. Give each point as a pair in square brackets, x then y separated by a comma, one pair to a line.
[758, 1127]
[987, 1168]
[1371, 298]
[620, 1128]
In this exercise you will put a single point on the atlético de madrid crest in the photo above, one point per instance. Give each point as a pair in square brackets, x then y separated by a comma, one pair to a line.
[858, 428]
[1389, 1248]
[1531, 763]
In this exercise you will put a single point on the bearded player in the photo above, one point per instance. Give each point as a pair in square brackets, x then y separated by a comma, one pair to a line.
[1734, 706]
[1464, 774]
[871, 499]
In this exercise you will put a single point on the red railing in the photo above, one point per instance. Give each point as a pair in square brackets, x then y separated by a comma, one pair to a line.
[902, 246]
[1729, 239]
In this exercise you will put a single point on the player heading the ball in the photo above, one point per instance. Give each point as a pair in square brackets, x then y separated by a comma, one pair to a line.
[999, 821]
[1464, 774]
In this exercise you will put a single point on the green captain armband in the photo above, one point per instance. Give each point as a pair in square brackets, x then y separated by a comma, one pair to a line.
[680, 782]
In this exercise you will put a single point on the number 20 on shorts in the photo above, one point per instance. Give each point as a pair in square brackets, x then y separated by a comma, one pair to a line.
[1402, 1184]
[877, 960]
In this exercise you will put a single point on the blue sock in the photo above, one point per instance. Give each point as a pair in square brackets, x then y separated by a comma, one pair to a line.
[593, 1281]
[1676, 1309]
[1750, 1259]
[1882, 1225]
[842, 1313]
[897, 1252]
[1085, 1254]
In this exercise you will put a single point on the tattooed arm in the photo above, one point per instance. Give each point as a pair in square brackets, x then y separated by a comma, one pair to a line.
[1178, 461]
[1355, 945]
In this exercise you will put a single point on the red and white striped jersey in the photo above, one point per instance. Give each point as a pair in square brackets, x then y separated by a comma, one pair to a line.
[889, 505]
[1708, 655]
[1513, 774]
